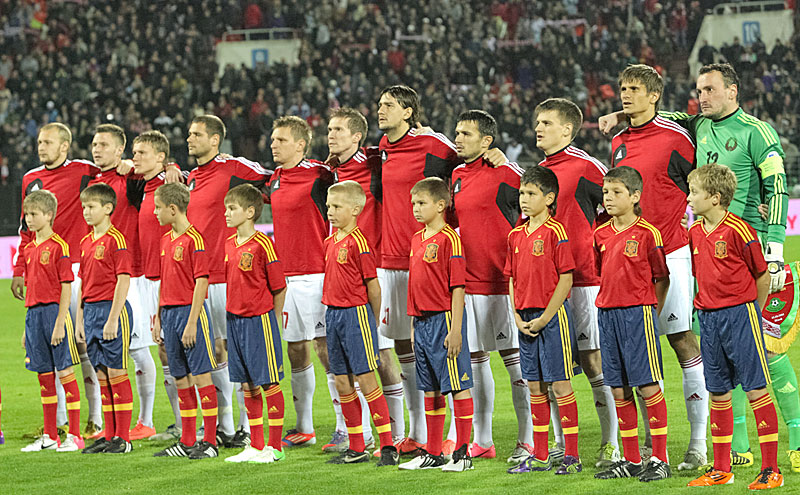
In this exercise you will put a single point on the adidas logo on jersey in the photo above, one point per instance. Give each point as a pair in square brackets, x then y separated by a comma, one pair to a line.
[501, 336]
[786, 389]
[672, 317]
[319, 325]
[694, 397]
[583, 336]
[653, 419]
[696, 251]
[704, 140]
[464, 377]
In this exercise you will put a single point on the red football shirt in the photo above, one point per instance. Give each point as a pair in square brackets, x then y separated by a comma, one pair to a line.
[365, 168]
[150, 231]
[536, 259]
[183, 259]
[47, 266]
[663, 152]
[486, 201]
[300, 217]
[580, 194]
[65, 181]
[407, 161]
[252, 272]
[726, 263]
[209, 183]
[629, 261]
[436, 266]
[348, 263]
[125, 216]
[102, 260]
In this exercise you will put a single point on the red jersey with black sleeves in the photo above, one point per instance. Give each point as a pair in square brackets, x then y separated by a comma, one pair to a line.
[536, 259]
[629, 261]
[183, 260]
[298, 197]
[726, 262]
[102, 260]
[125, 216]
[208, 184]
[580, 195]
[47, 266]
[663, 152]
[436, 267]
[486, 203]
[253, 272]
[349, 262]
[407, 161]
[65, 181]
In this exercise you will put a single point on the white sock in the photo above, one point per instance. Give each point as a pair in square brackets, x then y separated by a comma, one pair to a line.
[394, 400]
[337, 406]
[366, 417]
[642, 405]
[221, 380]
[521, 398]
[482, 400]
[244, 423]
[415, 399]
[145, 383]
[303, 385]
[91, 388]
[696, 397]
[555, 419]
[61, 410]
[451, 431]
[172, 395]
[606, 410]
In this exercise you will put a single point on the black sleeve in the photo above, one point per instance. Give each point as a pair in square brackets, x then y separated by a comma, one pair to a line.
[507, 200]
[589, 196]
[678, 170]
[135, 192]
[319, 192]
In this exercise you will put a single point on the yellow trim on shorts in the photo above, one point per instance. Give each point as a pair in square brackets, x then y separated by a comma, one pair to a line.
[366, 336]
[125, 326]
[566, 348]
[755, 327]
[204, 329]
[71, 341]
[266, 327]
[650, 337]
[452, 364]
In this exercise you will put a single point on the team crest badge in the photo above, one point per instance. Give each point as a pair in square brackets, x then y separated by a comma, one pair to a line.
[631, 249]
[538, 247]
[720, 249]
[99, 252]
[44, 258]
[431, 253]
[341, 258]
[246, 262]
[178, 254]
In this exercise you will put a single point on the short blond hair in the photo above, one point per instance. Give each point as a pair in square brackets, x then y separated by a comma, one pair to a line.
[63, 131]
[352, 190]
[298, 127]
[435, 187]
[174, 194]
[245, 196]
[156, 139]
[715, 178]
[42, 200]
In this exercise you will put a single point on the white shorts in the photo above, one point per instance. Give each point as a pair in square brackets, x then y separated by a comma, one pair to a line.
[395, 323]
[141, 290]
[303, 311]
[584, 317]
[217, 297]
[676, 316]
[490, 323]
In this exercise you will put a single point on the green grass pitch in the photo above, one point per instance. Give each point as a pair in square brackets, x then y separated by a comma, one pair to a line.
[304, 470]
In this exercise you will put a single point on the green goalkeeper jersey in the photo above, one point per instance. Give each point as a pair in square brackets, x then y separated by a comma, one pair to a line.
[752, 149]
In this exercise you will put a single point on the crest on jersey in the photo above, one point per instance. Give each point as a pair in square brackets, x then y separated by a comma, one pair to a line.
[384, 156]
[731, 144]
[44, 258]
[538, 247]
[99, 252]
[246, 262]
[620, 153]
[431, 253]
[457, 186]
[720, 249]
[177, 255]
[191, 184]
[275, 185]
[631, 248]
[341, 257]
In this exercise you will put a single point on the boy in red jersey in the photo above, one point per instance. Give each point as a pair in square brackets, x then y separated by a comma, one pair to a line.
[104, 316]
[49, 335]
[350, 284]
[255, 355]
[183, 317]
[539, 265]
[733, 284]
[634, 280]
[436, 302]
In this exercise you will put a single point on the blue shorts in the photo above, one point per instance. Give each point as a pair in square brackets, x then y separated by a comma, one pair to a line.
[550, 356]
[109, 353]
[352, 340]
[182, 361]
[629, 346]
[435, 371]
[40, 356]
[732, 346]
[255, 354]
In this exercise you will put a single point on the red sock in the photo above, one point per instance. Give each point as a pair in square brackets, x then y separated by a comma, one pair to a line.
[351, 409]
[274, 398]
[379, 411]
[657, 414]
[73, 396]
[767, 425]
[123, 405]
[108, 408]
[187, 401]
[435, 410]
[721, 433]
[540, 411]
[629, 430]
[208, 403]
[255, 416]
[568, 410]
[463, 411]
[47, 389]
